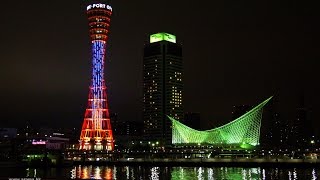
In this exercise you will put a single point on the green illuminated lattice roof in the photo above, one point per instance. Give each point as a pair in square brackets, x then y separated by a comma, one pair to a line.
[243, 131]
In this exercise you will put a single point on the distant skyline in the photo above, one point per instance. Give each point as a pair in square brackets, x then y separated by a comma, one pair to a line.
[234, 53]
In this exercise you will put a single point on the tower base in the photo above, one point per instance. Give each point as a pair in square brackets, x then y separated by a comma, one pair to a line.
[96, 145]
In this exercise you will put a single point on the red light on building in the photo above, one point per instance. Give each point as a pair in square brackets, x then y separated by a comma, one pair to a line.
[96, 133]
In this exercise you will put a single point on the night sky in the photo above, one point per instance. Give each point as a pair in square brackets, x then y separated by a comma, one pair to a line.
[235, 52]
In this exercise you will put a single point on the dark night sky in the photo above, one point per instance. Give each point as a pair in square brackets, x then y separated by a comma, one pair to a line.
[235, 52]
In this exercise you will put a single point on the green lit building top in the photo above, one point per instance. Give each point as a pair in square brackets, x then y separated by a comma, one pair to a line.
[162, 37]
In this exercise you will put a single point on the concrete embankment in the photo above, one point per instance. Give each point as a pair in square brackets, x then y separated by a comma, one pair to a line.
[219, 162]
[240, 162]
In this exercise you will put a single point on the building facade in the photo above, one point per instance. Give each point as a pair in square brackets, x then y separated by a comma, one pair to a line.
[162, 87]
[302, 130]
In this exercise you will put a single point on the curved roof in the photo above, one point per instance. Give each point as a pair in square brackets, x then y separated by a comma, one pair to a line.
[244, 130]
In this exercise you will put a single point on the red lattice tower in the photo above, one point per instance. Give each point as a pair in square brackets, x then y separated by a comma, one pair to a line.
[96, 133]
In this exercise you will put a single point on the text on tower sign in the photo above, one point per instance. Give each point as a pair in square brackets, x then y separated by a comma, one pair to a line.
[104, 6]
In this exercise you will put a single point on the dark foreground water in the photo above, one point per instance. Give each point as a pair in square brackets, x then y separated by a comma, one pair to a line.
[175, 173]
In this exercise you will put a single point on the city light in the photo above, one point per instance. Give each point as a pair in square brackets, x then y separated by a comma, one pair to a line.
[38, 142]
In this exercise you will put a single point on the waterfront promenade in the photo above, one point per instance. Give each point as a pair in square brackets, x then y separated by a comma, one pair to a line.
[241, 162]
[216, 162]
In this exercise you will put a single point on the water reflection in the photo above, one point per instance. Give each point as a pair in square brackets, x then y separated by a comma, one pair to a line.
[90, 172]
[155, 173]
[127, 172]
[210, 174]
[174, 173]
[263, 174]
[179, 173]
[314, 175]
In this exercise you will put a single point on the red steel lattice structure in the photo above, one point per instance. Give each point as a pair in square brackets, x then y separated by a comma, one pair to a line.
[96, 133]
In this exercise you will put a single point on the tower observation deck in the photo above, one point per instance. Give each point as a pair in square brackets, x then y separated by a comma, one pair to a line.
[96, 133]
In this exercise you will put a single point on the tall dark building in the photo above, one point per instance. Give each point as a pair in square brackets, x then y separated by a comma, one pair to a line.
[302, 128]
[129, 128]
[278, 127]
[278, 131]
[192, 120]
[114, 121]
[162, 86]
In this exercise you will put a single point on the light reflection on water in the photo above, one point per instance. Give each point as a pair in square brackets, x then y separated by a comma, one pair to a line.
[155, 173]
[200, 173]
[314, 175]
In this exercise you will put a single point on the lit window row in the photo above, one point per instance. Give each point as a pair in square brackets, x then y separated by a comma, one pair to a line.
[176, 97]
[175, 101]
[150, 91]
